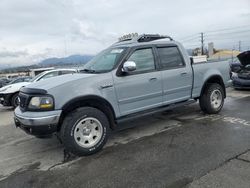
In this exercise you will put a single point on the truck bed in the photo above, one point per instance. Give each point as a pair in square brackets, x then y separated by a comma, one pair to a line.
[203, 71]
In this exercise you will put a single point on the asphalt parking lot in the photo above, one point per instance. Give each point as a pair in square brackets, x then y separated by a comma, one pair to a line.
[178, 148]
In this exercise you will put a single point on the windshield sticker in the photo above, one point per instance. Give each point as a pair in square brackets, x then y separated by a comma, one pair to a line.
[116, 51]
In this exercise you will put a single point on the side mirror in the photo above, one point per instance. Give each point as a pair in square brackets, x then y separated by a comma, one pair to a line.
[129, 66]
[191, 60]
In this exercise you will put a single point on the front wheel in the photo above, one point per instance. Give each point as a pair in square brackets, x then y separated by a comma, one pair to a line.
[212, 99]
[84, 131]
[15, 100]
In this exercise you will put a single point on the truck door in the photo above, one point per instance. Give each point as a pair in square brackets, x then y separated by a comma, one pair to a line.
[140, 89]
[176, 75]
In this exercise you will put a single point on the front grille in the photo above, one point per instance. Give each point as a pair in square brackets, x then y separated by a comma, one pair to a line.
[244, 77]
[24, 100]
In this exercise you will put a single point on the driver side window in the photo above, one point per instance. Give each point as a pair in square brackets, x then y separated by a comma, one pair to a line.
[144, 60]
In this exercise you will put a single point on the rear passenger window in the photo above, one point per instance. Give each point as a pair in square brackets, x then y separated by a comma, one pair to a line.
[144, 60]
[66, 72]
[170, 57]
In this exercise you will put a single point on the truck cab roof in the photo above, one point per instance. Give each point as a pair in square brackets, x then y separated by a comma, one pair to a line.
[134, 39]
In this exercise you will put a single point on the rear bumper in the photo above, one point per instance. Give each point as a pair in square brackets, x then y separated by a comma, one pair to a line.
[37, 123]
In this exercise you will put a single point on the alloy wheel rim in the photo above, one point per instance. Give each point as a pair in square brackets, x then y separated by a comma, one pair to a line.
[88, 132]
[216, 99]
[17, 101]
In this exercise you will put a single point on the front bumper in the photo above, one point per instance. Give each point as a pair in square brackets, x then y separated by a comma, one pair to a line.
[228, 83]
[241, 83]
[37, 123]
[5, 99]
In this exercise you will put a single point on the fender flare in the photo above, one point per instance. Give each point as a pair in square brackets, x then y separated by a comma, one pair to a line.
[214, 79]
[92, 101]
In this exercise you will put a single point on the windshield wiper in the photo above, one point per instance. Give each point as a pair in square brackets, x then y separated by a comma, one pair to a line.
[88, 70]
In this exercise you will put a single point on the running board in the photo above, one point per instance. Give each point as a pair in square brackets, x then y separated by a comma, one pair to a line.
[155, 110]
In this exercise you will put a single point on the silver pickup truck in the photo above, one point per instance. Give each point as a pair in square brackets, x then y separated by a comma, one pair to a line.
[137, 76]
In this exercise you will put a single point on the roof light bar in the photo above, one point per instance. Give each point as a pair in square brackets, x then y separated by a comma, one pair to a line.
[128, 37]
[150, 37]
[134, 37]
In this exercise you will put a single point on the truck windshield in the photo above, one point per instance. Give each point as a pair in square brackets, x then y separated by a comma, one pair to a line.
[104, 61]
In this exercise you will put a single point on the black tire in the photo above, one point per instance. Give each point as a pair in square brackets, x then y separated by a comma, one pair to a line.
[14, 100]
[70, 123]
[205, 99]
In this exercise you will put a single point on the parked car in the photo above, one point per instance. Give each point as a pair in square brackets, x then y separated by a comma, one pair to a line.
[9, 93]
[241, 77]
[4, 81]
[20, 79]
[134, 77]
[235, 65]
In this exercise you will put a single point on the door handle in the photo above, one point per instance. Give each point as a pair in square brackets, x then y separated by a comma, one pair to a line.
[152, 79]
[183, 73]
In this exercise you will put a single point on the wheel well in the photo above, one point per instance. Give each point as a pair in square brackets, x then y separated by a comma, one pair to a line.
[90, 101]
[11, 96]
[214, 79]
[14, 94]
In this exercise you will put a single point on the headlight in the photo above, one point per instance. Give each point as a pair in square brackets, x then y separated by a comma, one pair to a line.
[5, 88]
[41, 103]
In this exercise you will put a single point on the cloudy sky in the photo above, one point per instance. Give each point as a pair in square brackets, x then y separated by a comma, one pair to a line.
[32, 30]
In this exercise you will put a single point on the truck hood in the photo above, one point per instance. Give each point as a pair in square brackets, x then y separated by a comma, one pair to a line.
[12, 88]
[244, 58]
[58, 80]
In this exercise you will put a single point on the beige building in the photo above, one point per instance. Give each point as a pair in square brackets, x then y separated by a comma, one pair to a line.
[225, 54]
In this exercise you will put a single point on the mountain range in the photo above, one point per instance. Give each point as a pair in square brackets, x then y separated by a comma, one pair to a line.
[73, 59]
[70, 60]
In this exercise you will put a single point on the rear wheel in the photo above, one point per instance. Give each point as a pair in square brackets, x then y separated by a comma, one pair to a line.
[84, 131]
[212, 99]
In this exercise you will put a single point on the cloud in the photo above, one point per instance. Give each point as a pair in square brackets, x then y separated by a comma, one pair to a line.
[87, 26]
[15, 54]
[84, 28]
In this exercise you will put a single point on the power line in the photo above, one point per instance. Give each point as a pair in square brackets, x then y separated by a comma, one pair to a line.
[226, 29]
[226, 38]
[219, 32]
[193, 39]
[244, 45]
[236, 35]
[190, 36]
[216, 38]
[245, 36]
[235, 32]
[192, 44]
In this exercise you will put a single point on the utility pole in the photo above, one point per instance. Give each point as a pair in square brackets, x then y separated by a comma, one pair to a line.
[233, 54]
[202, 43]
[65, 45]
[240, 46]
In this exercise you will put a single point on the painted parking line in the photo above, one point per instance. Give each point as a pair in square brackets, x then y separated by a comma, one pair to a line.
[224, 118]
